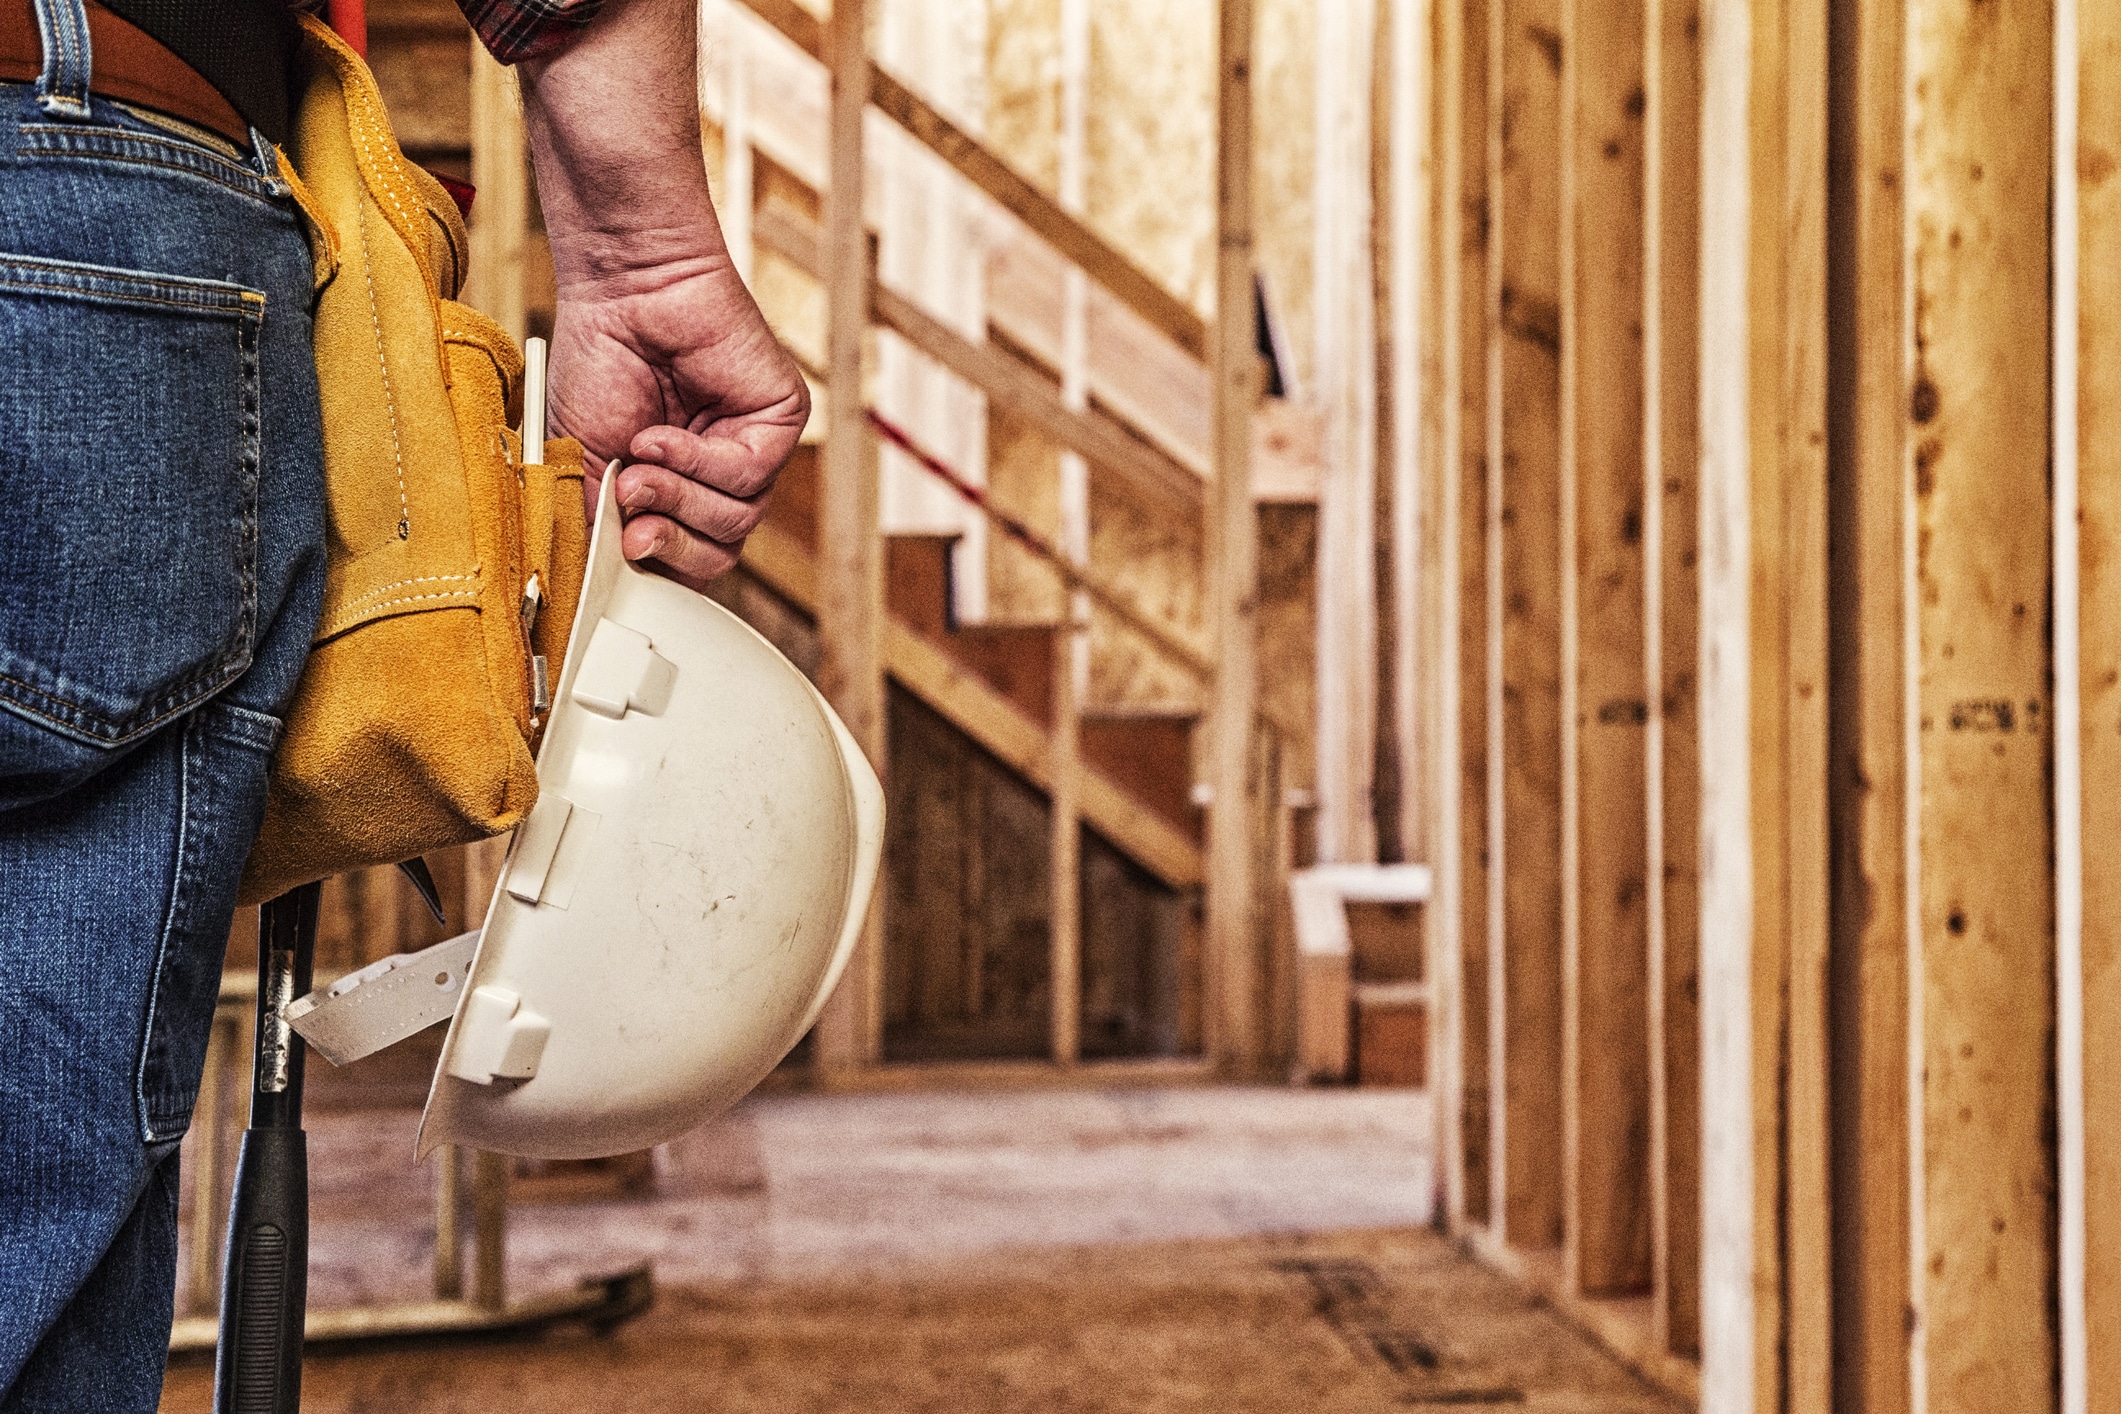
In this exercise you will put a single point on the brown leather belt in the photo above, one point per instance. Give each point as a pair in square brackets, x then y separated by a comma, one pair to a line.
[127, 64]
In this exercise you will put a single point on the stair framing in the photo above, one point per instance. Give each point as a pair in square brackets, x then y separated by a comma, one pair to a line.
[841, 577]
[1018, 740]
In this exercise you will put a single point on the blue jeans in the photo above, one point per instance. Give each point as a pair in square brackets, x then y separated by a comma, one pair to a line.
[161, 568]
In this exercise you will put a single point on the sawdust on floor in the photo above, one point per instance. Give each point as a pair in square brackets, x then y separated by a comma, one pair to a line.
[1146, 1252]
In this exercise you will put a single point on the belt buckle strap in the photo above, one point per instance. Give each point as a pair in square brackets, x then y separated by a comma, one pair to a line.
[62, 89]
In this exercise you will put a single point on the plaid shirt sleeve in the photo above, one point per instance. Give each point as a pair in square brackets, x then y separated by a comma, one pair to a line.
[524, 29]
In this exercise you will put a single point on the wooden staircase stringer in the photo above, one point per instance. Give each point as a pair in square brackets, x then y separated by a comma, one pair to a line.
[1016, 740]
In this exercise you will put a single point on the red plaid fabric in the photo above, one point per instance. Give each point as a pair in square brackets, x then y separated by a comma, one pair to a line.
[523, 29]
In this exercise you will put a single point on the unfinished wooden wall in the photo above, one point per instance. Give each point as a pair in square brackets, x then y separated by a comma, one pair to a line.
[1793, 776]
[1545, 112]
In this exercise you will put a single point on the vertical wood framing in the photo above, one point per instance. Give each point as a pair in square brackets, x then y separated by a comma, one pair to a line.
[1524, 670]
[1605, 1061]
[1065, 854]
[2096, 432]
[1764, 904]
[203, 1287]
[1671, 592]
[489, 1230]
[1733, 1352]
[1233, 903]
[1793, 422]
[1462, 469]
[2065, 454]
[1869, 485]
[1345, 357]
[851, 585]
[1071, 667]
[500, 218]
[1421, 399]
[448, 1274]
[1980, 140]
[737, 195]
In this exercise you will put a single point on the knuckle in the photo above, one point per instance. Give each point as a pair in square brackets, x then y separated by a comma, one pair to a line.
[753, 480]
[736, 522]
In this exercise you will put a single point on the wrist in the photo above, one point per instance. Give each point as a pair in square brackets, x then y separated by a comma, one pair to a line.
[613, 126]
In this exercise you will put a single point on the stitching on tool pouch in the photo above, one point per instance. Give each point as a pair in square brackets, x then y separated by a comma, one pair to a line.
[344, 619]
[360, 130]
[352, 604]
[397, 451]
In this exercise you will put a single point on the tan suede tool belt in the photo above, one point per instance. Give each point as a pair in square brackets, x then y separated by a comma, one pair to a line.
[453, 562]
[130, 65]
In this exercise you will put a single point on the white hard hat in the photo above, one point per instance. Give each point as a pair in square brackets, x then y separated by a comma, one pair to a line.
[672, 914]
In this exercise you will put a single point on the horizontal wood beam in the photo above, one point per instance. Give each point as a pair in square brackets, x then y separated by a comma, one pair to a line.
[1098, 258]
[1021, 389]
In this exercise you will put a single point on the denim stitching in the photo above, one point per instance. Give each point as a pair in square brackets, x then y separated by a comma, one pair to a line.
[105, 139]
[68, 98]
[142, 149]
[73, 20]
[53, 29]
[247, 336]
[390, 403]
[65, 712]
[106, 282]
[111, 297]
[148, 1129]
[209, 678]
[244, 726]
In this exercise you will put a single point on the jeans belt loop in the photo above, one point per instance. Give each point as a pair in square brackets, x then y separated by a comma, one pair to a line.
[62, 89]
[268, 161]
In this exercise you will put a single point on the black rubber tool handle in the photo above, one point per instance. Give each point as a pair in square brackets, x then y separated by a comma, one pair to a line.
[265, 1270]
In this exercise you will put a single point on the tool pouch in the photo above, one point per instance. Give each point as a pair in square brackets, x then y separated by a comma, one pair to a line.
[415, 722]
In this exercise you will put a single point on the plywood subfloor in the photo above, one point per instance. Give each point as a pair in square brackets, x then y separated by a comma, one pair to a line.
[1142, 1251]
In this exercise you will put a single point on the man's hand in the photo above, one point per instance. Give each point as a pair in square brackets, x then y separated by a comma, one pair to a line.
[660, 357]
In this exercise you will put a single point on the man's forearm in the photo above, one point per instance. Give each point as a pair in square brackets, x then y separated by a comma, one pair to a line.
[614, 128]
[661, 360]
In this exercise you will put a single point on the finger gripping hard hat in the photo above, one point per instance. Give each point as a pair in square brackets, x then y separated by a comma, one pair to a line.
[677, 906]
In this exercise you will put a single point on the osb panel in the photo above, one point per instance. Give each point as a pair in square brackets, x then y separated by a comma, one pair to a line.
[1151, 187]
[1024, 86]
[1154, 560]
[1023, 477]
[1284, 169]
[1386, 940]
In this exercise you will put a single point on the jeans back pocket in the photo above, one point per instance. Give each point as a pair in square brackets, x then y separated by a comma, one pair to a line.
[129, 435]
